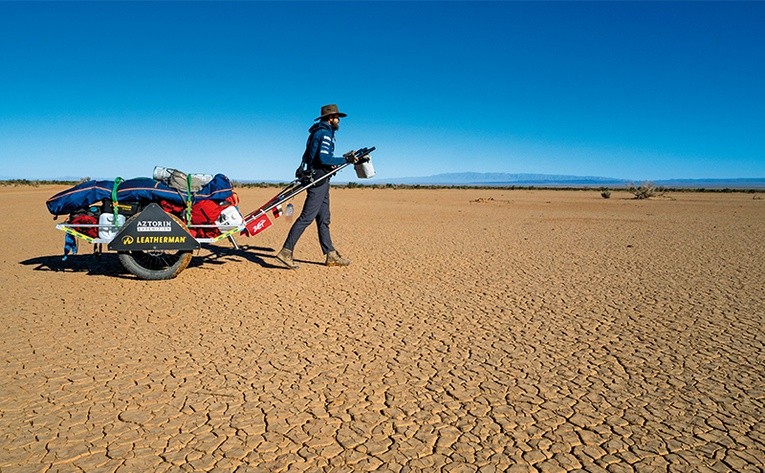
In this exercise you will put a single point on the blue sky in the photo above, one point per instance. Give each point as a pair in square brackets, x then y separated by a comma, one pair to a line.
[641, 91]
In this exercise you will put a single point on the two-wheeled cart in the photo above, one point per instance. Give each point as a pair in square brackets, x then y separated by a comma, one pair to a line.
[154, 244]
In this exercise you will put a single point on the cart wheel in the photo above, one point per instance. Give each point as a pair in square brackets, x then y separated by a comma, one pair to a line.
[155, 265]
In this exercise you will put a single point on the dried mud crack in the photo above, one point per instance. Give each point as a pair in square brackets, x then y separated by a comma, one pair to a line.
[561, 332]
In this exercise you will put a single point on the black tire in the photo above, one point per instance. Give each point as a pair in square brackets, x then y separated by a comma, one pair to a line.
[155, 265]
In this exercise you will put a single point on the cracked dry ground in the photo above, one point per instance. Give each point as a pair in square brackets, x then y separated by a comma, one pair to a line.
[475, 330]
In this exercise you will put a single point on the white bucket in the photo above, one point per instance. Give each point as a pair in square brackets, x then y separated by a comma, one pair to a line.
[230, 218]
[107, 230]
[364, 170]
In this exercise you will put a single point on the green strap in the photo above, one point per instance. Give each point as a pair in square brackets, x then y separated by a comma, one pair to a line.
[188, 199]
[115, 210]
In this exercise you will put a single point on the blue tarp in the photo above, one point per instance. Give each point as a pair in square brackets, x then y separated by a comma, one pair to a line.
[219, 189]
[143, 190]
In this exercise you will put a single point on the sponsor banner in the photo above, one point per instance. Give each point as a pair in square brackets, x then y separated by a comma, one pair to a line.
[155, 226]
[145, 239]
[257, 225]
[153, 229]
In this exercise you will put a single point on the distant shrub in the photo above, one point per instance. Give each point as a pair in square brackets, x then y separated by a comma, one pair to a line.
[33, 183]
[259, 185]
[645, 190]
[606, 194]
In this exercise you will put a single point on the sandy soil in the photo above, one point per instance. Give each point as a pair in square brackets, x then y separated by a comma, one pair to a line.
[476, 330]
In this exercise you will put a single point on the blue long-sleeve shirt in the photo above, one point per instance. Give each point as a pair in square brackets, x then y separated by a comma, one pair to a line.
[320, 148]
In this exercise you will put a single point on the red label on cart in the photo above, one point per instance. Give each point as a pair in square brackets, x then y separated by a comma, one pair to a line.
[258, 225]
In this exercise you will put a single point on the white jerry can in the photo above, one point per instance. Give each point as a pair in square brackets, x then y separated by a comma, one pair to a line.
[230, 217]
[107, 228]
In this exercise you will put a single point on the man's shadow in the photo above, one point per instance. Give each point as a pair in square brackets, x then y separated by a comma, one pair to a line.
[264, 256]
[260, 255]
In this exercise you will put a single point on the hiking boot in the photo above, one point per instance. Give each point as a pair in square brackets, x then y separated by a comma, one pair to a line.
[285, 256]
[334, 259]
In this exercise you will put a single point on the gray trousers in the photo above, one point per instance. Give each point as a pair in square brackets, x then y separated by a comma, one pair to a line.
[316, 207]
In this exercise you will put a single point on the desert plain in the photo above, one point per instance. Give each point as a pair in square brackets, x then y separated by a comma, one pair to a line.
[476, 330]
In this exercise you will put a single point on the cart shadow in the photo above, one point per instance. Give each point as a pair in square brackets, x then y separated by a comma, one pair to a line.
[105, 264]
[108, 264]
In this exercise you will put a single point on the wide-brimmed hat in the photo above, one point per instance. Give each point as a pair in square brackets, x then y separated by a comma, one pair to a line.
[329, 110]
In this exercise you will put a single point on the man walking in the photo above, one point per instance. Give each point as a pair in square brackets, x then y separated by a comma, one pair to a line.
[319, 159]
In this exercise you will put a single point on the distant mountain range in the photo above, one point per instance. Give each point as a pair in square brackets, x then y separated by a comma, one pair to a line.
[503, 179]
[558, 180]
